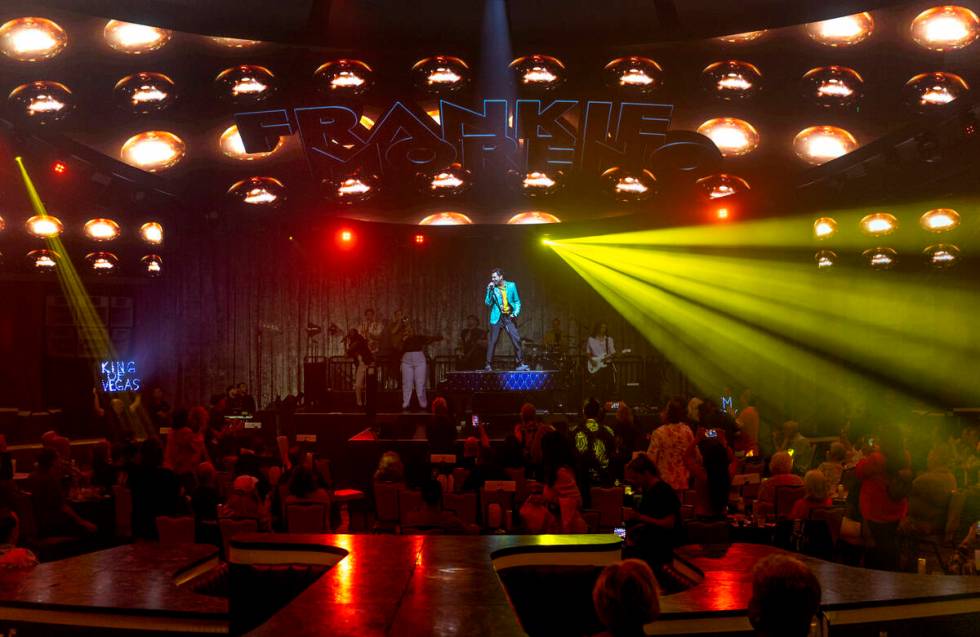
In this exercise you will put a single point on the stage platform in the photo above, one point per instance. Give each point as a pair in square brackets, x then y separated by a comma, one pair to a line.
[503, 381]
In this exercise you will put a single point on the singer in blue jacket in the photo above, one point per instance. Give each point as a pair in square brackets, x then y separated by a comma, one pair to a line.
[505, 306]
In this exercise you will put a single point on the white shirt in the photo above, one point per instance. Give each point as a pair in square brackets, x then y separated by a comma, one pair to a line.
[600, 347]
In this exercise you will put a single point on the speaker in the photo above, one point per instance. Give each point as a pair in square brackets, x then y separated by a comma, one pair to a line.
[315, 382]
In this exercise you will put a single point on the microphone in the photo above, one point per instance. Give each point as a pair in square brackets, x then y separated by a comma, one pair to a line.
[489, 285]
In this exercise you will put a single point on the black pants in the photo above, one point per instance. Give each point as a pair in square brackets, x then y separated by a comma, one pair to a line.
[506, 323]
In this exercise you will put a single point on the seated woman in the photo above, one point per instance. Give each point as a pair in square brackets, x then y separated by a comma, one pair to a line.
[245, 502]
[559, 508]
[625, 598]
[781, 471]
[817, 496]
[430, 514]
[390, 468]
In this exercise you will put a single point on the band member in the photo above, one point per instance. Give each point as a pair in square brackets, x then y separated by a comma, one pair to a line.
[473, 341]
[358, 349]
[372, 329]
[414, 365]
[505, 306]
[600, 350]
[553, 338]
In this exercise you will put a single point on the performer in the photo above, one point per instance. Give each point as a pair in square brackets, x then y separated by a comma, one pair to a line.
[600, 350]
[358, 349]
[505, 306]
[373, 330]
[473, 341]
[414, 365]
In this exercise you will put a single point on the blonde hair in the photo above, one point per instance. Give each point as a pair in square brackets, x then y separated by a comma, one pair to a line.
[625, 595]
[781, 462]
[815, 483]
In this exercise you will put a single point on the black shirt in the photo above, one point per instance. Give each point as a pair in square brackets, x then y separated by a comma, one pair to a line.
[659, 501]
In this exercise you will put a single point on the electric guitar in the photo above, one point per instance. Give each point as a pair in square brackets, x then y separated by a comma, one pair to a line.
[597, 363]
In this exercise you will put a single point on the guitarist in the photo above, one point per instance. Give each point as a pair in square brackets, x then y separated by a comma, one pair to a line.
[473, 342]
[600, 349]
[505, 306]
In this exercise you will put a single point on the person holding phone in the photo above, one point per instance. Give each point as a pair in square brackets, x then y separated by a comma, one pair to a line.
[652, 528]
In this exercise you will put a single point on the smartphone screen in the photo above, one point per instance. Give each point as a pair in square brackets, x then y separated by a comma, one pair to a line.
[476, 421]
[620, 531]
[712, 433]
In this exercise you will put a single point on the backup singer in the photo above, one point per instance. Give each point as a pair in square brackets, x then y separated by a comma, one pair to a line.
[505, 306]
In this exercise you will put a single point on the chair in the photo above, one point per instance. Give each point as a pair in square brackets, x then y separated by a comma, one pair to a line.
[785, 498]
[460, 474]
[609, 504]
[307, 517]
[122, 499]
[175, 530]
[462, 504]
[505, 499]
[408, 500]
[344, 498]
[386, 503]
[947, 537]
[230, 527]
[223, 481]
[753, 465]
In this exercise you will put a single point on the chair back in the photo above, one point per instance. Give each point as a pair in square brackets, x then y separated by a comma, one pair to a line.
[505, 499]
[175, 530]
[323, 468]
[609, 504]
[408, 500]
[462, 504]
[833, 517]
[753, 465]
[230, 527]
[307, 517]
[122, 499]
[386, 501]
[786, 497]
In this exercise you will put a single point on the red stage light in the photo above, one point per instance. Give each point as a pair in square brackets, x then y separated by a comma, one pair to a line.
[722, 213]
[346, 236]
[419, 239]
[59, 167]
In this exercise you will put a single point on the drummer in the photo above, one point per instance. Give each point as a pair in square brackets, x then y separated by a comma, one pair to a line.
[553, 342]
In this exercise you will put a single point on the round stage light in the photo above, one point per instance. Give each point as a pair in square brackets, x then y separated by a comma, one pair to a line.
[843, 31]
[354, 188]
[880, 258]
[258, 191]
[533, 217]
[825, 259]
[135, 39]
[3, 224]
[449, 181]
[942, 255]
[102, 263]
[440, 74]
[234, 43]
[43, 260]
[879, 224]
[739, 38]
[101, 229]
[152, 265]
[45, 226]
[824, 228]
[347, 77]
[721, 185]
[819, 144]
[446, 219]
[152, 233]
[629, 185]
[931, 91]
[232, 146]
[542, 72]
[153, 151]
[32, 39]
[145, 92]
[246, 83]
[731, 79]
[945, 28]
[538, 183]
[940, 220]
[832, 86]
[733, 137]
[43, 102]
[635, 74]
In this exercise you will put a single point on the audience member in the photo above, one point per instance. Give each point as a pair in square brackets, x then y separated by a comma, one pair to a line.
[156, 490]
[390, 468]
[931, 491]
[747, 425]
[529, 433]
[205, 497]
[52, 514]
[12, 556]
[595, 443]
[797, 445]
[440, 430]
[185, 446]
[781, 475]
[244, 502]
[430, 515]
[886, 483]
[817, 496]
[710, 462]
[669, 444]
[561, 487]
[785, 597]
[652, 527]
[833, 467]
[710, 417]
[625, 598]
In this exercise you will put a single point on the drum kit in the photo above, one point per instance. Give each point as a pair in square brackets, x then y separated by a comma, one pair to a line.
[541, 357]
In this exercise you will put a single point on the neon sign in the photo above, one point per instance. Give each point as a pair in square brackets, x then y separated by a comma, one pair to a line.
[524, 134]
[118, 376]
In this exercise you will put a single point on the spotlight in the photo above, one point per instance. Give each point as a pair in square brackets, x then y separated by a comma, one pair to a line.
[152, 265]
[940, 220]
[537, 183]
[153, 151]
[346, 236]
[419, 239]
[721, 185]
[733, 137]
[731, 79]
[824, 228]
[258, 191]
[152, 233]
[234, 43]
[145, 92]
[945, 28]
[102, 263]
[446, 219]
[542, 72]
[825, 259]
[134, 39]
[533, 217]
[45, 226]
[43, 260]
[246, 83]
[880, 258]
[832, 86]
[232, 146]
[629, 186]
[59, 168]
[739, 38]
[931, 91]
[43, 101]
[635, 74]
[440, 74]
[844, 31]
[879, 224]
[349, 77]
[942, 255]
[452, 180]
[32, 39]
[819, 144]
[354, 187]
[101, 229]
[722, 214]
[547, 241]
[3, 224]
